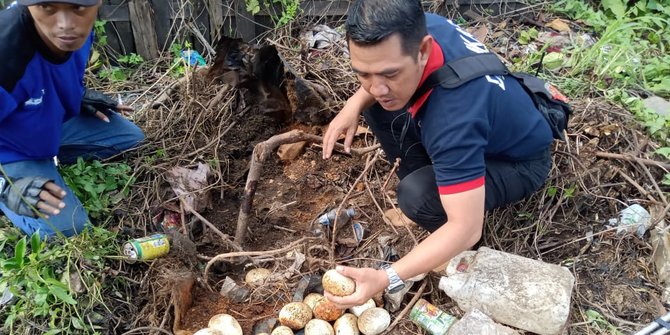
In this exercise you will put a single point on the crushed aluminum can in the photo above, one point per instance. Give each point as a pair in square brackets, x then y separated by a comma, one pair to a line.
[431, 318]
[146, 248]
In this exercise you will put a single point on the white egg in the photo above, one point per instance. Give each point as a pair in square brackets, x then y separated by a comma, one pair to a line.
[256, 277]
[374, 321]
[282, 330]
[295, 315]
[338, 284]
[318, 327]
[208, 331]
[347, 324]
[225, 324]
[311, 299]
[358, 310]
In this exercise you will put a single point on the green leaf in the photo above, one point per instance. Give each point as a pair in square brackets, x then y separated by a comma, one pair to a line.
[20, 252]
[63, 295]
[665, 152]
[35, 243]
[617, 7]
[77, 323]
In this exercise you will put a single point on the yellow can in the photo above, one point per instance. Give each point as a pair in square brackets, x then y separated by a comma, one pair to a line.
[146, 248]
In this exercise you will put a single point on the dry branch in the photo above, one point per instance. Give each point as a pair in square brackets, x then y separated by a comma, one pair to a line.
[222, 257]
[632, 159]
[261, 153]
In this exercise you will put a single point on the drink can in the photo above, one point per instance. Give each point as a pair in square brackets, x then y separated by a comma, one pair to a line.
[431, 318]
[146, 248]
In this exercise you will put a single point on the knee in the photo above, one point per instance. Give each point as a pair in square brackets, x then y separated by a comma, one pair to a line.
[419, 199]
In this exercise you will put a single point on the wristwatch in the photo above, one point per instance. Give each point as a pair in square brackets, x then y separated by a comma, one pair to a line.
[395, 283]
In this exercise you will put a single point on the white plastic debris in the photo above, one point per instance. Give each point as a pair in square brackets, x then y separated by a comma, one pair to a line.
[633, 218]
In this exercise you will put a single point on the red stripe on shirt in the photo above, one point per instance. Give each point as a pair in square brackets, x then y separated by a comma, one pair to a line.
[435, 61]
[461, 187]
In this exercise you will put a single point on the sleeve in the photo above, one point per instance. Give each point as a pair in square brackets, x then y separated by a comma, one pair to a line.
[455, 132]
[7, 104]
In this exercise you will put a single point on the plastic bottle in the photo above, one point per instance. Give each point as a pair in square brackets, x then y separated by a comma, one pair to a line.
[328, 218]
[476, 322]
[512, 290]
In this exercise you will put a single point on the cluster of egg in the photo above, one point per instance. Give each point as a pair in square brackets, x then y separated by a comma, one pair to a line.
[221, 324]
[315, 313]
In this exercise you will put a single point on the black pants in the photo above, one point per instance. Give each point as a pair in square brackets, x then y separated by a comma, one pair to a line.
[418, 197]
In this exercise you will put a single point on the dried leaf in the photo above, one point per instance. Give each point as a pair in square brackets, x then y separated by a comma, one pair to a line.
[558, 25]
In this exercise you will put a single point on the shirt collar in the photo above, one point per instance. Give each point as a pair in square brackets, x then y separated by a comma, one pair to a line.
[435, 61]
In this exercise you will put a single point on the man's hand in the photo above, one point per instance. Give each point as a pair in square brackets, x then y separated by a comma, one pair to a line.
[346, 122]
[100, 104]
[25, 195]
[368, 283]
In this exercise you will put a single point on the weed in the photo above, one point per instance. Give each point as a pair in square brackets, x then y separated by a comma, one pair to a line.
[131, 60]
[48, 281]
[100, 33]
[289, 9]
[99, 186]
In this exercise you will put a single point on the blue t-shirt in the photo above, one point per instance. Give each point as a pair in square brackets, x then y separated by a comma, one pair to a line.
[491, 116]
[38, 91]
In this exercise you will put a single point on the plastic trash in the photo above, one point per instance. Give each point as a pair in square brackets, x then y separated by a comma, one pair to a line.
[193, 57]
[328, 218]
[476, 322]
[633, 218]
[513, 290]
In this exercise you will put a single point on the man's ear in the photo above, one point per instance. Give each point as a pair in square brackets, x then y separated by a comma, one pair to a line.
[425, 48]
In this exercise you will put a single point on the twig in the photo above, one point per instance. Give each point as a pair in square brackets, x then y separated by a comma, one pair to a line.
[409, 306]
[370, 162]
[221, 257]
[261, 153]
[653, 181]
[395, 167]
[142, 329]
[634, 183]
[629, 158]
[226, 238]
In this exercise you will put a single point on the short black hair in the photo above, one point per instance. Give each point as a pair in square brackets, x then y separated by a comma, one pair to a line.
[371, 21]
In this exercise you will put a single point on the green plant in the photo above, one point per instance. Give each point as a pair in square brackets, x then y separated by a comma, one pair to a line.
[289, 9]
[98, 186]
[100, 32]
[57, 284]
[113, 73]
[131, 60]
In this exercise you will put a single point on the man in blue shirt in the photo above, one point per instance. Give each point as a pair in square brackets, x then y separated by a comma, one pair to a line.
[45, 46]
[462, 150]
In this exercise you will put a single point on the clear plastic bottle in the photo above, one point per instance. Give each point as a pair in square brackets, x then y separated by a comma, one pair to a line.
[512, 290]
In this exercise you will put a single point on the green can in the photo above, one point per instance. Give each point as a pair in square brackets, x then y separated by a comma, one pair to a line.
[146, 248]
[431, 318]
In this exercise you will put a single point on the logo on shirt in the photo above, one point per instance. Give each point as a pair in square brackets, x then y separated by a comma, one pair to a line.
[33, 102]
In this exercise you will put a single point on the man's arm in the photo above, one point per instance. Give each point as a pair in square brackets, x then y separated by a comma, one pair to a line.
[346, 122]
[463, 230]
[465, 211]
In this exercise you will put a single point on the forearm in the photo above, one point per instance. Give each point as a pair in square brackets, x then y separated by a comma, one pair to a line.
[441, 246]
[360, 101]
[464, 228]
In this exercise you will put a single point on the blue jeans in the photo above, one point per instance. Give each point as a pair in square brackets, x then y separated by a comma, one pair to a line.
[83, 136]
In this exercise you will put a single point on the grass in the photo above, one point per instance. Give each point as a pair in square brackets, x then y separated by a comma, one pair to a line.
[59, 284]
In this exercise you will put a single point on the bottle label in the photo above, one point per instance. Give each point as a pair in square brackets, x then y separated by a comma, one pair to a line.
[431, 318]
